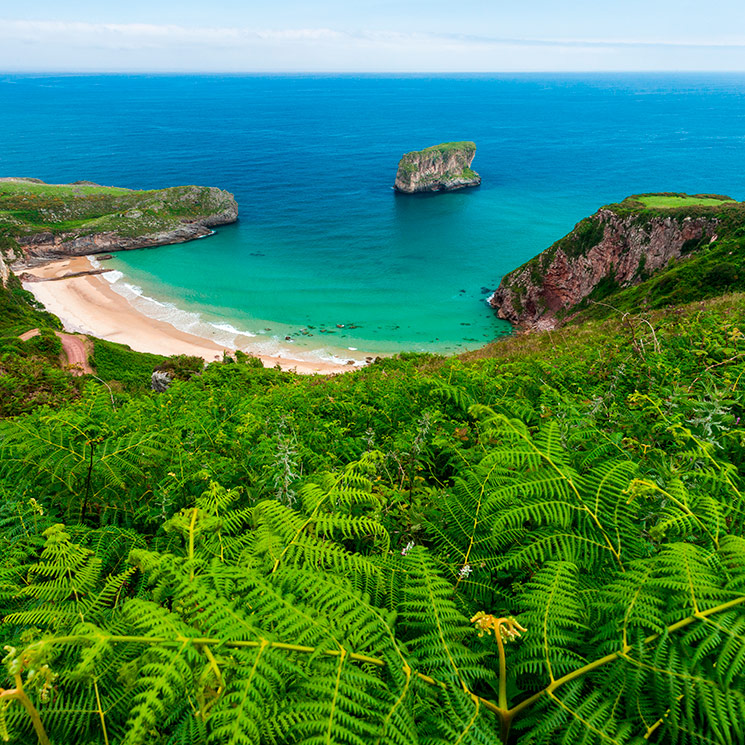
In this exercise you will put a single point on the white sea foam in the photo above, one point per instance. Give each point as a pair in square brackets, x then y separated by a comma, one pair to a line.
[325, 356]
[231, 329]
[222, 333]
[112, 276]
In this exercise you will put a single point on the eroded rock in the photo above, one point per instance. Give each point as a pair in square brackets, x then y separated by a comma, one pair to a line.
[614, 248]
[444, 167]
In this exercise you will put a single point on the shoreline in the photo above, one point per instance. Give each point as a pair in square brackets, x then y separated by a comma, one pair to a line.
[87, 304]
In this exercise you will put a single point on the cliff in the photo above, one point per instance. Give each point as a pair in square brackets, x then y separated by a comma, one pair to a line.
[621, 246]
[4, 272]
[45, 221]
[443, 167]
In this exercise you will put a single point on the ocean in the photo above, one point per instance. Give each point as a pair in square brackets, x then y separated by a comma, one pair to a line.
[325, 252]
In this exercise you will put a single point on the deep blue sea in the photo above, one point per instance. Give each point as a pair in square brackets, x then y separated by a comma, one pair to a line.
[323, 241]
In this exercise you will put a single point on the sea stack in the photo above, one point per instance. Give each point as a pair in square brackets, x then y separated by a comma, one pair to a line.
[444, 167]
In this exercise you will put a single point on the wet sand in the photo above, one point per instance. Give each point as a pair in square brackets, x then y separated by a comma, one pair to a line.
[87, 304]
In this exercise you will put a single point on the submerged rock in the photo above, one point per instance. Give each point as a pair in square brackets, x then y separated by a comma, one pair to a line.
[442, 167]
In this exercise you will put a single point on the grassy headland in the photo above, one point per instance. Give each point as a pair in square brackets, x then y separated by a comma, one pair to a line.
[648, 251]
[29, 208]
[465, 146]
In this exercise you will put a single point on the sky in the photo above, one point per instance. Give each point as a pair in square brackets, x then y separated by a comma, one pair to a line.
[371, 35]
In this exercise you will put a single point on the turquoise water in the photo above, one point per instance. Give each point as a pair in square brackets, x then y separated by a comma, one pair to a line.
[325, 252]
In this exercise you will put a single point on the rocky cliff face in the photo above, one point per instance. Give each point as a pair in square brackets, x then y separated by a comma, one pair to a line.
[46, 245]
[604, 252]
[4, 272]
[83, 218]
[440, 168]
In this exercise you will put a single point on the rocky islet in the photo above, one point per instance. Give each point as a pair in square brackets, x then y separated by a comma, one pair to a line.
[444, 167]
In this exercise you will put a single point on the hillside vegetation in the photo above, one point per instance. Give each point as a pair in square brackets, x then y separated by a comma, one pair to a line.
[669, 201]
[541, 542]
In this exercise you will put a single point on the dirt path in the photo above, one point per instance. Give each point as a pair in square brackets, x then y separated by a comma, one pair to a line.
[29, 335]
[74, 350]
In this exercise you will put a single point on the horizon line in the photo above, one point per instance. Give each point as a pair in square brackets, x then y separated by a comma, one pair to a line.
[374, 72]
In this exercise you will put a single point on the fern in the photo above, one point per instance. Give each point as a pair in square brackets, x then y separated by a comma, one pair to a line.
[583, 508]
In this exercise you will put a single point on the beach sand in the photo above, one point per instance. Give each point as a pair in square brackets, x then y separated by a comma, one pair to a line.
[87, 304]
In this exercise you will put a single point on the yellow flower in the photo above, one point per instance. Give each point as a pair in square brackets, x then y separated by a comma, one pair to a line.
[507, 627]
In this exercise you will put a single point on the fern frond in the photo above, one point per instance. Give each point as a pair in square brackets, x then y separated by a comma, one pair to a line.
[555, 620]
[434, 628]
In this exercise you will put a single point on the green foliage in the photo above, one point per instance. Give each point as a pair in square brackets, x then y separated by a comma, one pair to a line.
[19, 311]
[449, 147]
[46, 344]
[30, 373]
[117, 362]
[681, 200]
[540, 543]
[705, 273]
[587, 234]
[708, 265]
[182, 366]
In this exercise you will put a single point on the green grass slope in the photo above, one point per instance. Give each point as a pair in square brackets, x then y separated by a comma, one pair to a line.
[538, 542]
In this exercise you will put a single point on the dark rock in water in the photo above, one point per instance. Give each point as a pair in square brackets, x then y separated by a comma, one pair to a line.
[160, 381]
[444, 167]
[26, 277]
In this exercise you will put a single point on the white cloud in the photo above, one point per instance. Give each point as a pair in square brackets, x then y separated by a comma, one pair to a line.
[60, 45]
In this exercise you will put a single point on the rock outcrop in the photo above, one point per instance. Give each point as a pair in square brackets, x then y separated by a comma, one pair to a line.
[440, 168]
[4, 271]
[84, 218]
[160, 381]
[615, 248]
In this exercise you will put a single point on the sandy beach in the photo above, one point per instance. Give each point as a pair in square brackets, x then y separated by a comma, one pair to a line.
[87, 304]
